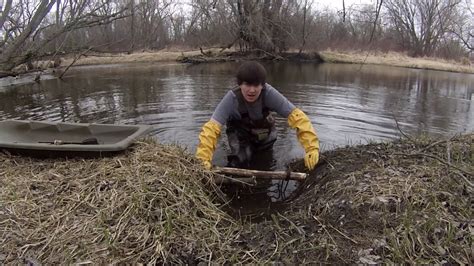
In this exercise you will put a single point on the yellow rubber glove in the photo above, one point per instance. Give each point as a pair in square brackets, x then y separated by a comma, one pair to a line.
[207, 142]
[306, 136]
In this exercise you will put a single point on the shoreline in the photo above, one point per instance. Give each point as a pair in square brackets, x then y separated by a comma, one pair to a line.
[403, 201]
[215, 55]
[397, 60]
[327, 56]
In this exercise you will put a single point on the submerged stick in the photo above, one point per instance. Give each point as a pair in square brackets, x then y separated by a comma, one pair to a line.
[261, 174]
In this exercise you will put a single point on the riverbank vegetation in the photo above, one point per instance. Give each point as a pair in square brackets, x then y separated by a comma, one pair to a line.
[406, 201]
[329, 56]
[396, 59]
[53, 29]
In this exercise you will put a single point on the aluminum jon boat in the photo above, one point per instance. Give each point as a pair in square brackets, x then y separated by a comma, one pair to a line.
[49, 139]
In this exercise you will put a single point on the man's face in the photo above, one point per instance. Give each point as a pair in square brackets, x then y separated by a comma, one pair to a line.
[250, 92]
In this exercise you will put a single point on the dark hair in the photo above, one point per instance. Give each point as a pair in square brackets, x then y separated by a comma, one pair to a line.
[252, 73]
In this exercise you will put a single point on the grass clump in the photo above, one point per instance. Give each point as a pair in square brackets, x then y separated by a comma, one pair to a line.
[149, 205]
[408, 201]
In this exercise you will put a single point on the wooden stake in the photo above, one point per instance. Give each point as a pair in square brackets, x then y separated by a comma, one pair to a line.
[261, 174]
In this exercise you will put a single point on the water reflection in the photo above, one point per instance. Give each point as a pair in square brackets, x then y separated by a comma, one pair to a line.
[347, 104]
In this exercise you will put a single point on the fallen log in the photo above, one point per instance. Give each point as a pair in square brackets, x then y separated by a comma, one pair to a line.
[261, 174]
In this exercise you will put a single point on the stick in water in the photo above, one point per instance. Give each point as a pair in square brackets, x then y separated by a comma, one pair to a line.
[262, 174]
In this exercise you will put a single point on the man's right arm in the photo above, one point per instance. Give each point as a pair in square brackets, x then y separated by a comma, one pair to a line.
[212, 129]
[224, 109]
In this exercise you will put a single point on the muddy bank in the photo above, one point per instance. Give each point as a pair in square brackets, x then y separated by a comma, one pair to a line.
[211, 57]
[403, 201]
[188, 56]
[407, 201]
[344, 57]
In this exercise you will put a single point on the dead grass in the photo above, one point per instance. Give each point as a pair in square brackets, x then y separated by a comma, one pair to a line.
[408, 201]
[395, 59]
[139, 57]
[404, 202]
[173, 55]
[147, 206]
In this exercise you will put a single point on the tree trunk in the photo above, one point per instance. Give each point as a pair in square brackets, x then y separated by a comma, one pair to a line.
[8, 60]
[303, 34]
[132, 25]
[5, 11]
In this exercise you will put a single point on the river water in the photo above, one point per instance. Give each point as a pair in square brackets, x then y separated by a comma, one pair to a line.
[348, 104]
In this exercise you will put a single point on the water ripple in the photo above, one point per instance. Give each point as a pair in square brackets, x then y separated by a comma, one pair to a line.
[346, 105]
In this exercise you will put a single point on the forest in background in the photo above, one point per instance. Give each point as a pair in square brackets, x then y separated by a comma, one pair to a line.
[36, 29]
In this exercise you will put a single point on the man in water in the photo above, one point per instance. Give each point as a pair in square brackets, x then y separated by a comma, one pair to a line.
[250, 125]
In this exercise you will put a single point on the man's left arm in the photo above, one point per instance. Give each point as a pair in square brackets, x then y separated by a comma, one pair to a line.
[298, 120]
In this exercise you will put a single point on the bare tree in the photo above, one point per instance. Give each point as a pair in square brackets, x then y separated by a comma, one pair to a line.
[265, 25]
[132, 25]
[421, 24]
[34, 29]
[10, 56]
[29, 29]
[306, 24]
[212, 23]
[464, 26]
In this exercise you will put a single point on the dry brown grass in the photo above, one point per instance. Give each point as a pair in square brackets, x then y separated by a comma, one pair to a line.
[139, 57]
[173, 55]
[150, 205]
[395, 59]
[408, 201]
[404, 202]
